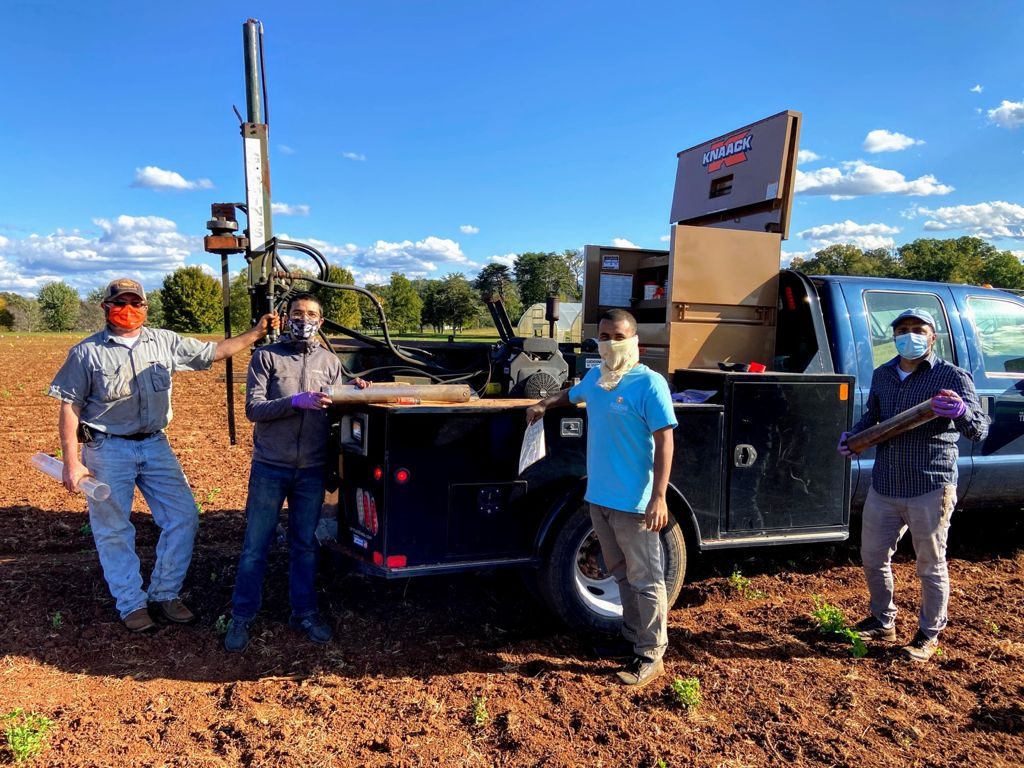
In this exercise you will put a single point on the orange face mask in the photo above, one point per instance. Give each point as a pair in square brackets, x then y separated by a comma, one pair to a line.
[126, 317]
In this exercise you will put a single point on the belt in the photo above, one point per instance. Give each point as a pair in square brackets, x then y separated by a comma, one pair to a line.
[137, 436]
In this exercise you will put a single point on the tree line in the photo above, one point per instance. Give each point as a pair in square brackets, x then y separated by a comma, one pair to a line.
[191, 301]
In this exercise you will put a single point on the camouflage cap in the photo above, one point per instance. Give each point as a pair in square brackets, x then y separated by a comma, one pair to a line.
[123, 285]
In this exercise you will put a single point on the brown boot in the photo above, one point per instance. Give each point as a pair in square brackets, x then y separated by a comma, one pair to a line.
[139, 621]
[640, 671]
[175, 611]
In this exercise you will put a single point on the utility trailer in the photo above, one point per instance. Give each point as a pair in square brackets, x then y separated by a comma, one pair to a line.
[430, 487]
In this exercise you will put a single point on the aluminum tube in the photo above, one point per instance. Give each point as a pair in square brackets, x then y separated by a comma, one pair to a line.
[390, 393]
[890, 428]
[250, 39]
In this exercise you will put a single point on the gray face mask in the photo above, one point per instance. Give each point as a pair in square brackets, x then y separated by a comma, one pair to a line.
[303, 329]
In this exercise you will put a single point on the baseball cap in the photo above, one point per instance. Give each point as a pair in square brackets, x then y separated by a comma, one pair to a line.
[917, 314]
[123, 285]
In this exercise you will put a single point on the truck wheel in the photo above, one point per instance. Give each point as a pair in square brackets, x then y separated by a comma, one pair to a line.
[576, 586]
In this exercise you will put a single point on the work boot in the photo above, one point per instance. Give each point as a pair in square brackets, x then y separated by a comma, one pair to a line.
[316, 629]
[175, 611]
[922, 647]
[237, 638]
[139, 620]
[640, 671]
[872, 629]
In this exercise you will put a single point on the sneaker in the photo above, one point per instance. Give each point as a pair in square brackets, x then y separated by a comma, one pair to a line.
[139, 620]
[922, 647]
[316, 629]
[175, 611]
[640, 671]
[237, 638]
[872, 629]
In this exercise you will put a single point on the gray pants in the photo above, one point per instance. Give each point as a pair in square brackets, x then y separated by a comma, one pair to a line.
[634, 558]
[886, 519]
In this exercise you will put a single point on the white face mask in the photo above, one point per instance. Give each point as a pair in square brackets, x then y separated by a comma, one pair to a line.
[617, 358]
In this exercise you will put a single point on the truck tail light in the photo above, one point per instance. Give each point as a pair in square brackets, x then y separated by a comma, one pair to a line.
[360, 508]
[402, 476]
[366, 511]
[378, 473]
[378, 558]
[396, 561]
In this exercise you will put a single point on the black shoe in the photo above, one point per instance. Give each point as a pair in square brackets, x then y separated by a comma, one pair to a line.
[315, 628]
[237, 638]
[872, 629]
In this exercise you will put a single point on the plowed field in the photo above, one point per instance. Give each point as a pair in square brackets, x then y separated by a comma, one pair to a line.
[397, 686]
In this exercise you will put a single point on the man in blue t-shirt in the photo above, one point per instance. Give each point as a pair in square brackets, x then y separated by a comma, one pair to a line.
[629, 453]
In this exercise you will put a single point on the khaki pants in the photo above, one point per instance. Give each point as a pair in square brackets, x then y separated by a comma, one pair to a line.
[886, 519]
[634, 558]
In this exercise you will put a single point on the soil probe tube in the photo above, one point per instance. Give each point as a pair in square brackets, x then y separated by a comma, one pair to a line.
[890, 428]
[89, 485]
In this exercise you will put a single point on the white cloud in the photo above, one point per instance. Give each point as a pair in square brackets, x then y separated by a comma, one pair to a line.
[996, 219]
[864, 236]
[977, 89]
[508, 259]
[429, 257]
[357, 156]
[285, 209]
[469, 229]
[621, 242]
[787, 257]
[665, 238]
[152, 177]
[1009, 114]
[888, 141]
[807, 156]
[857, 178]
[143, 247]
[285, 149]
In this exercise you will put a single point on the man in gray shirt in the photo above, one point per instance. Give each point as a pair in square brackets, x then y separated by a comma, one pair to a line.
[115, 393]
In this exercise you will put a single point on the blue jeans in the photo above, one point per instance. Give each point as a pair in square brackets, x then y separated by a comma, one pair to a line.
[150, 464]
[269, 486]
[885, 521]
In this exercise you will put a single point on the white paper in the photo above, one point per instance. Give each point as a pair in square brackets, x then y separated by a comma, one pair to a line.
[533, 449]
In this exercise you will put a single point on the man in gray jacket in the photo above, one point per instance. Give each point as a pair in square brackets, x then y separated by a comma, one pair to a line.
[290, 452]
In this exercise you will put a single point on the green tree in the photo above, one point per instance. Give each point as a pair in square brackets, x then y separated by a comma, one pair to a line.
[497, 280]
[239, 304]
[340, 306]
[947, 261]
[192, 301]
[24, 312]
[540, 274]
[58, 306]
[573, 258]
[155, 316]
[432, 313]
[457, 306]
[1002, 269]
[369, 317]
[404, 304]
[6, 318]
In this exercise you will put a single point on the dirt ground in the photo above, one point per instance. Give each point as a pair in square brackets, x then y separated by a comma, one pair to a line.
[397, 686]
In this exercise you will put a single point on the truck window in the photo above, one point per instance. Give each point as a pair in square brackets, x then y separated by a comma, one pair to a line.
[885, 306]
[999, 326]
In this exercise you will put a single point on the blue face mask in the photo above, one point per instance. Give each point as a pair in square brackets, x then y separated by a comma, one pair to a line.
[911, 346]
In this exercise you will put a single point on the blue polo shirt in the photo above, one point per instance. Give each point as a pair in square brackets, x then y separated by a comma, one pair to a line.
[620, 445]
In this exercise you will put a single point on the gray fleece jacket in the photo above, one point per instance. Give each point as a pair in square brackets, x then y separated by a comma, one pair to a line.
[286, 436]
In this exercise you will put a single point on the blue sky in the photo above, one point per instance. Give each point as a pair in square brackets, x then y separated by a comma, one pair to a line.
[433, 137]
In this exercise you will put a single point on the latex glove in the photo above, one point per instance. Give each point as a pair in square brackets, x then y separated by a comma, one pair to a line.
[360, 383]
[948, 405]
[843, 448]
[311, 401]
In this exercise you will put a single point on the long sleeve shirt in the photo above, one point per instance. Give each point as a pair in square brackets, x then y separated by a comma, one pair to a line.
[923, 459]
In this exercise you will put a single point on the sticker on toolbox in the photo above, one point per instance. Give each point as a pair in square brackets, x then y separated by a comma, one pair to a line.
[359, 541]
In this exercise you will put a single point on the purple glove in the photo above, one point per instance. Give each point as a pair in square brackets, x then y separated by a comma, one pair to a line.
[843, 448]
[948, 405]
[311, 401]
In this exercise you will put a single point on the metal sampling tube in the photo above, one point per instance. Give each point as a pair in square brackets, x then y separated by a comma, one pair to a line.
[890, 428]
[396, 393]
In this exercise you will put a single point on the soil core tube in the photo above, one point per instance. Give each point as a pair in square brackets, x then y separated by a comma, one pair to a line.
[890, 428]
[89, 485]
[399, 393]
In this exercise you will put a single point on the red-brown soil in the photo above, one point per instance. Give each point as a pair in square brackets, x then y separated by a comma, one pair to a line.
[397, 686]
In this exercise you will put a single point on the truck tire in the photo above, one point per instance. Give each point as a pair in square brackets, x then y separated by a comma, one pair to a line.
[576, 587]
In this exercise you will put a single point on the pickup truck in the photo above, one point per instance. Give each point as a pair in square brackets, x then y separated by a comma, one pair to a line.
[436, 488]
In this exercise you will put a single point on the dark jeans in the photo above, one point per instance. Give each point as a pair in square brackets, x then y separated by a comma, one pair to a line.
[269, 485]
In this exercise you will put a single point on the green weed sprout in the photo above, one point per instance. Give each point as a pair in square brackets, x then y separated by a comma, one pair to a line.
[686, 692]
[479, 713]
[26, 733]
[57, 620]
[832, 621]
[221, 625]
[744, 586]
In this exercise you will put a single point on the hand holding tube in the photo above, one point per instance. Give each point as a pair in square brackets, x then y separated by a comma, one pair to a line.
[843, 448]
[311, 401]
[948, 405]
